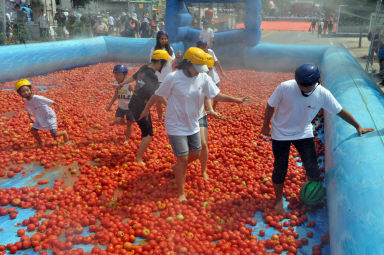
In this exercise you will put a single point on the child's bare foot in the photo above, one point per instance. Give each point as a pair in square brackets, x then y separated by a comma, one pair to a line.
[140, 162]
[182, 198]
[65, 136]
[279, 206]
[205, 175]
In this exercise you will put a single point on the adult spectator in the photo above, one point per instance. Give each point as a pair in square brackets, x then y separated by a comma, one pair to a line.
[101, 28]
[145, 28]
[43, 25]
[207, 34]
[325, 29]
[111, 23]
[129, 30]
[330, 26]
[320, 25]
[72, 24]
[374, 37]
[60, 18]
[312, 27]
[19, 27]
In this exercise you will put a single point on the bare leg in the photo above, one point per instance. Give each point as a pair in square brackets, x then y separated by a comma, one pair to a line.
[142, 148]
[64, 134]
[159, 109]
[128, 131]
[279, 197]
[36, 135]
[204, 152]
[180, 170]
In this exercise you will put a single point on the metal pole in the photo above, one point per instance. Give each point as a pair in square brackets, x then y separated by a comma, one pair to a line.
[3, 17]
[378, 8]
[360, 35]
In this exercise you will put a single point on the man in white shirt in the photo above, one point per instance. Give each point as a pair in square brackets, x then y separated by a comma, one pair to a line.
[207, 34]
[297, 102]
[44, 25]
[111, 23]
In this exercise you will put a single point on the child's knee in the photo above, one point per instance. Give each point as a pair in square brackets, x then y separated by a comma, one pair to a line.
[118, 120]
[204, 145]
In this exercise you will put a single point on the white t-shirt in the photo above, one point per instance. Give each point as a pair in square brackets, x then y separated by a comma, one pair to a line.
[45, 116]
[207, 35]
[185, 99]
[43, 21]
[167, 68]
[111, 21]
[294, 113]
[212, 72]
[124, 95]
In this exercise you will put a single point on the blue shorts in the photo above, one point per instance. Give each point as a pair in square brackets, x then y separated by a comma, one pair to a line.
[120, 113]
[181, 145]
[203, 122]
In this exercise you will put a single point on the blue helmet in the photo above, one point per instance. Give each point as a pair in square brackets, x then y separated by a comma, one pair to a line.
[160, 33]
[120, 69]
[307, 75]
[201, 42]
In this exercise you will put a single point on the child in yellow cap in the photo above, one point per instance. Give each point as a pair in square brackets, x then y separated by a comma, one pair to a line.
[39, 107]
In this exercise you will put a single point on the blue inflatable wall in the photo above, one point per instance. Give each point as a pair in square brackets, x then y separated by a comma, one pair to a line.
[354, 164]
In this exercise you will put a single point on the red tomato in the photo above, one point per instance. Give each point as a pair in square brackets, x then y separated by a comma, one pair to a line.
[20, 232]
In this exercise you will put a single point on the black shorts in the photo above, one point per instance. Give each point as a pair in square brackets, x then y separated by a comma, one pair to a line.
[145, 126]
[120, 113]
[203, 122]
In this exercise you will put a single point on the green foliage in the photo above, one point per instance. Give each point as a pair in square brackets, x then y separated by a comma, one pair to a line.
[2, 39]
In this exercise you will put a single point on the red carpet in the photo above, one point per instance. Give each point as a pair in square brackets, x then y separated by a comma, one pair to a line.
[285, 25]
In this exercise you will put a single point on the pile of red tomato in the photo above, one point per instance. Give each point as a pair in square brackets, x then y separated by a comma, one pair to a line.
[119, 201]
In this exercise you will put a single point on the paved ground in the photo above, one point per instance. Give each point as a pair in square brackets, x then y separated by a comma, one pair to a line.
[307, 38]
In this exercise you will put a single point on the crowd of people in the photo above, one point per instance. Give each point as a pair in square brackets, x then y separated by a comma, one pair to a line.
[323, 25]
[70, 24]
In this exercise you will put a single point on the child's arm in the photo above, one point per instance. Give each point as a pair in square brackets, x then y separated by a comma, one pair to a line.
[30, 117]
[126, 81]
[221, 70]
[57, 106]
[174, 62]
[208, 106]
[112, 101]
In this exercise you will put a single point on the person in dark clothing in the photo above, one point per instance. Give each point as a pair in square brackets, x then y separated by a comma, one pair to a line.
[60, 18]
[374, 37]
[312, 27]
[128, 29]
[19, 27]
[146, 85]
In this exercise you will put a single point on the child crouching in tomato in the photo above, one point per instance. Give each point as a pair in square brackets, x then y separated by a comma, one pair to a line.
[39, 107]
